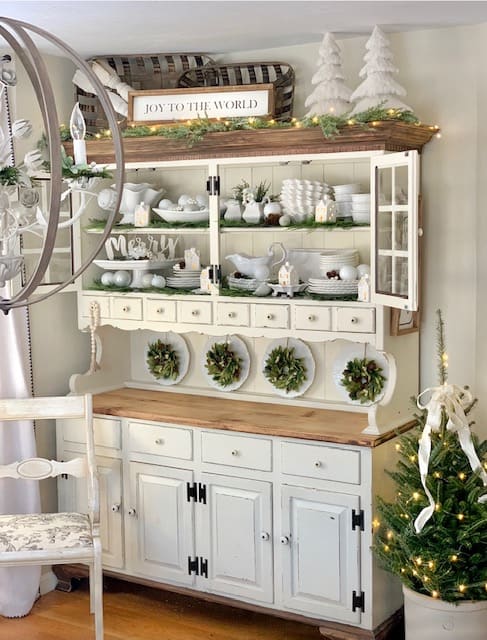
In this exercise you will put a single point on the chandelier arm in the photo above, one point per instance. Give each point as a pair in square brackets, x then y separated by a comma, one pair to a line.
[6, 305]
[37, 72]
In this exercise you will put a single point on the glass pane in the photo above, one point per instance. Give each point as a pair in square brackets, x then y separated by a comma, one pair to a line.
[384, 230]
[401, 231]
[384, 186]
[401, 277]
[401, 185]
[384, 274]
[60, 268]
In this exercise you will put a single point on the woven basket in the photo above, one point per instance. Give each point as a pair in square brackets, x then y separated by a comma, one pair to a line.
[280, 74]
[148, 71]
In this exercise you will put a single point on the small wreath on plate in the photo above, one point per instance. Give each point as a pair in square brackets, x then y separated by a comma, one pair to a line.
[223, 364]
[163, 360]
[284, 369]
[363, 379]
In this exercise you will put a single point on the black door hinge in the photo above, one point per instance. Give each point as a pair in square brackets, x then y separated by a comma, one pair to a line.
[213, 185]
[204, 567]
[191, 491]
[64, 476]
[358, 519]
[202, 493]
[215, 273]
[193, 565]
[358, 601]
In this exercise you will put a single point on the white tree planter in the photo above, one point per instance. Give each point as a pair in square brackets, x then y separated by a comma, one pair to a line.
[431, 619]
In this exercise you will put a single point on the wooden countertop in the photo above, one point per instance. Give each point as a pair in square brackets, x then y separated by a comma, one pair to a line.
[342, 427]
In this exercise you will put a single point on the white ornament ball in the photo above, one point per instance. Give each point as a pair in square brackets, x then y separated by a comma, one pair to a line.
[159, 282]
[285, 220]
[363, 269]
[184, 199]
[347, 272]
[121, 278]
[166, 204]
[107, 278]
[147, 280]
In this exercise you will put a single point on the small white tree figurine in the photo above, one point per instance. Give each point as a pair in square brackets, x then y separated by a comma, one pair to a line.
[379, 85]
[331, 95]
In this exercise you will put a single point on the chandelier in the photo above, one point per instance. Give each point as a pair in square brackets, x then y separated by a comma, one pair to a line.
[20, 210]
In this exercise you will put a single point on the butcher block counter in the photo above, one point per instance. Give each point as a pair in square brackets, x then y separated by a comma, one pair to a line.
[341, 427]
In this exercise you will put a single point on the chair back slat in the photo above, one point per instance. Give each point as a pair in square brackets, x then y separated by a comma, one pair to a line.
[43, 408]
[40, 468]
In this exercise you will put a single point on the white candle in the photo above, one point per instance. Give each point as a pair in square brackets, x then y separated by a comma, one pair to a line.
[77, 127]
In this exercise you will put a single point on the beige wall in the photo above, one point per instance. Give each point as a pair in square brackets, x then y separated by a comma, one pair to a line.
[442, 71]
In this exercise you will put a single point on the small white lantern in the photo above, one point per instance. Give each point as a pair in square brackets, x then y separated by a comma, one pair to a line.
[364, 288]
[325, 210]
[288, 276]
[192, 259]
[205, 279]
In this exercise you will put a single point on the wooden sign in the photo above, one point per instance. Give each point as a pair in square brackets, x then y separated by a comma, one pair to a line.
[164, 106]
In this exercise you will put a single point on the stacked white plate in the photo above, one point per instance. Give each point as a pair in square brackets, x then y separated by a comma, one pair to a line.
[243, 284]
[361, 207]
[343, 198]
[335, 259]
[184, 278]
[299, 197]
[324, 286]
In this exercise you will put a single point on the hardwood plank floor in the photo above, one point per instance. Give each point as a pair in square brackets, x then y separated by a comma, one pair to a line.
[134, 612]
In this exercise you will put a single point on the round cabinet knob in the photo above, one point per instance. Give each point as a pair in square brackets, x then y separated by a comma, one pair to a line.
[235, 452]
[317, 464]
[420, 232]
[195, 312]
[160, 310]
[270, 316]
[354, 320]
[284, 540]
[132, 512]
[116, 508]
[159, 441]
[311, 318]
[231, 314]
[125, 308]
[264, 536]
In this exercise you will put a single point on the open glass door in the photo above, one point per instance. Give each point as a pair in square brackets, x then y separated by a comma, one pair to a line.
[394, 255]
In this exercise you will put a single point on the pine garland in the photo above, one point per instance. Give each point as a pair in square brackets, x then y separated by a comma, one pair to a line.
[363, 379]
[223, 364]
[284, 369]
[162, 360]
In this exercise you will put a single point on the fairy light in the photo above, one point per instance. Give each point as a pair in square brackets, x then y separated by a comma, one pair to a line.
[431, 565]
[426, 579]
[403, 570]
[297, 124]
[272, 121]
[462, 588]
[293, 120]
[375, 523]
[153, 129]
[418, 561]
[387, 548]
[437, 507]
[398, 447]
[416, 495]
[390, 535]
[331, 109]
[351, 121]
[227, 123]
[437, 126]
[97, 136]
[412, 458]
[435, 594]
[251, 120]
[438, 135]
[415, 573]
[453, 558]
[460, 516]
[437, 474]
[374, 123]
[188, 123]
[462, 475]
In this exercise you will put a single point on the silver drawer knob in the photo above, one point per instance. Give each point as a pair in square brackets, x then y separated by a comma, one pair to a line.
[264, 536]
[354, 320]
[116, 507]
[270, 316]
[159, 440]
[195, 312]
[132, 512]
[125, 308]
[235, 452]
[284, 540]
[317, 464]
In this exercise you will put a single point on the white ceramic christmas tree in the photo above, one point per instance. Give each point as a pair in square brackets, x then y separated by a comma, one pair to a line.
[379, 85]
[331, 95]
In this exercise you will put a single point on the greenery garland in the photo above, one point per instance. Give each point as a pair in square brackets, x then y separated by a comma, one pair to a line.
[363, 379]
[223, 364]
[162, 360]
[284, 369]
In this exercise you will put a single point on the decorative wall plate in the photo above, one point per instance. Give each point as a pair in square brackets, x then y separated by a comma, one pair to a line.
[349, 352]
[301, 350]
[178, 343]
[240, 348]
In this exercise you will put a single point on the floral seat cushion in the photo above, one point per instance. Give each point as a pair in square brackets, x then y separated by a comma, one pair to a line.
[36, 532]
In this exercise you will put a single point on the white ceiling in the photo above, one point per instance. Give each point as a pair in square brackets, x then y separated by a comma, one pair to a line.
[110, 27]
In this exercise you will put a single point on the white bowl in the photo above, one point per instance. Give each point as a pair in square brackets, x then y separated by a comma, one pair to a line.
[183, 216]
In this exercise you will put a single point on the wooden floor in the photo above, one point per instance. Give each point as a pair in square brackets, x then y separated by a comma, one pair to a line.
[133, 612]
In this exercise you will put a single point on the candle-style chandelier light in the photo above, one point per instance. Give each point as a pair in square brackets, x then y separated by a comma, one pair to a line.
[20, 209]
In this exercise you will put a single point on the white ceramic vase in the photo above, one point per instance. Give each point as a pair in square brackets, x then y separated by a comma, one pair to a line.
[431, 619]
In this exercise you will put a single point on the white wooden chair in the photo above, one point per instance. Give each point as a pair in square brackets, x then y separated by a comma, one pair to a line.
[55, 538]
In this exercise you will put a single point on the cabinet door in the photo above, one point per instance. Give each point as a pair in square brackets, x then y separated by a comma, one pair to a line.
[394, 227]
[73, 497]
[235, 537]
[320, 553]
[159, 523]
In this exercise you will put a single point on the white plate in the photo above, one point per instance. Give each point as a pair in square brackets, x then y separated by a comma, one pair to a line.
[178, 343]
[240, 348]
[349, 352]
[301, 350]
[170, 215]
[135, 265]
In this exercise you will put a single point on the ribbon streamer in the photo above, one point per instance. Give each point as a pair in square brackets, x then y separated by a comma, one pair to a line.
[453, 400]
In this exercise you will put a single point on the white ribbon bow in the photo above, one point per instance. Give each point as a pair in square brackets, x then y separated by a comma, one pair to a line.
[453, 400]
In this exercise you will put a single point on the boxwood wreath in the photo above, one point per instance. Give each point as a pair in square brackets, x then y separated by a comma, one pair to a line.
[363, 379]
[162, 360]
[284, 369]
[223, 364]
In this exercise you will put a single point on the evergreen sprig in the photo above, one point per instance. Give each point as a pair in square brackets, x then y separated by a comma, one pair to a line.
[223, 364]
[363, 379]
[284, 369]
[11, 176]
[163, 360]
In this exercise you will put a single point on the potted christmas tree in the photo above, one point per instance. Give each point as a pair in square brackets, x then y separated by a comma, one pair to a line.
[433, 535]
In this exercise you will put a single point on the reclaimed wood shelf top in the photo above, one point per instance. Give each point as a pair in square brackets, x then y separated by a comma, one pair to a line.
[342, 427]
[383, 136]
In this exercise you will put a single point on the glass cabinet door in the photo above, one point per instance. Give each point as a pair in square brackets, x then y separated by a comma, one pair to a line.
[394, 255]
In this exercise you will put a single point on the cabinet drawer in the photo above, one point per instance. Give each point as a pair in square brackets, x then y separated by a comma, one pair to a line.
[194, 312]
[236, 451]
[160, 440]
[160, 310]
[275, 316]
[107, 432]
[356, 320]
[314, 318]
[103, 303]
[234, 314]
[315, 461]
[127, 308]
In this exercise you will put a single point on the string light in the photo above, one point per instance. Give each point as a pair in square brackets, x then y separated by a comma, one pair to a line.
[375, 523]
[418, 561]
[412, 458]
[416, 495]
[390, 535]
[460, 516]
[272, 121]
[435, 594]
[387, 548]
[251, 120]
[316, 119]
[351, 121]
[426, 579]
[462, 588]
[437, 474]
[331, 109]
[403, 570]
[437, 506]
[398, 447]
[391, 112]
[438, 135]
[462, 475]
[431, 564]
[454, 558]
[188, 122]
